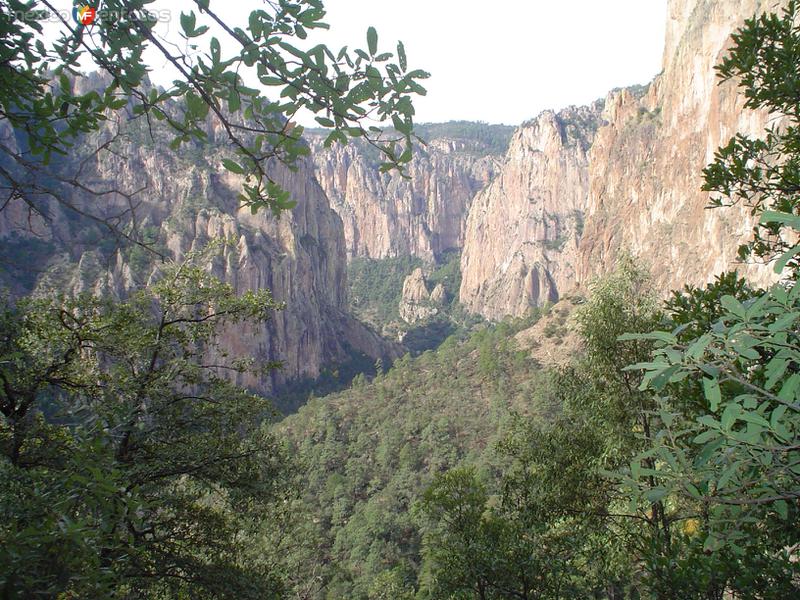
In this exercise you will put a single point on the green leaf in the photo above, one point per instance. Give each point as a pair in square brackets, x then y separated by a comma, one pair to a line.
[401, 125]
[196, 106]
[188, 23]
[660, 380]
[232, 166]
[712, 393]
[789, 389]
[774, 371]
[727, 475]
[655, 495]
[705, 437]
[216, 51]
[234, 100]
[752, 417]
[730, 415]
[784, 259]
[733, 306]
[401, 56]
[693, 491]
[372, 41]
[708, 451]
[777, 415]
[774, 216]
[662, 336]
[698, 348]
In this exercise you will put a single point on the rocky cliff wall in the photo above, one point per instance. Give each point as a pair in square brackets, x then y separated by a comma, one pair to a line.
[387, 215]
[184, 200]
[638, 187]
[646, 164]
[523, 230]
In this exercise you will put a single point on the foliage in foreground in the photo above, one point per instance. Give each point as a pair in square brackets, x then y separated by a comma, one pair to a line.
[735, 454]
[348, 91]
[131, 465]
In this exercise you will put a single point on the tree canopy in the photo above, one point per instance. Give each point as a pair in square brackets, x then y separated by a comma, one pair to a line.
[132, 466]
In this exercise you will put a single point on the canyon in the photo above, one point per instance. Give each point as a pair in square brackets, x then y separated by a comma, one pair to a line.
[536, 212]
[575, 188]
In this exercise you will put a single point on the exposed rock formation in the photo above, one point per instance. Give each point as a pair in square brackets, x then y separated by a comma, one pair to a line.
[387, 215]
[417, 303]
[638, 188]
[646, 164]
[523, 229]
[439, 295]
[187, 200]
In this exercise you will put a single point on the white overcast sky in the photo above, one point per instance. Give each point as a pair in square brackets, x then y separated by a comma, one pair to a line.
[504, 61]
[500, 61]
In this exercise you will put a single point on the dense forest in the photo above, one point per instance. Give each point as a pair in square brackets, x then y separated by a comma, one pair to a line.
[658, 457]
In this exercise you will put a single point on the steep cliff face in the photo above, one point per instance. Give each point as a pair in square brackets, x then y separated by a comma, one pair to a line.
[424, 215]
[185, 200]
[523, 229]
[637, 187]
[646, 164]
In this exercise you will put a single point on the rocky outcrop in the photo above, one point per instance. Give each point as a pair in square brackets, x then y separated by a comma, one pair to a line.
[523, 229]
[417, 303]
[423, 214]
[439, 295]
[646, 164]
[637, 189]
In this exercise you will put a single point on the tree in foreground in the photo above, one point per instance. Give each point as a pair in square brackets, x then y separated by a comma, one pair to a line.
[132, 466]
[727, 366]
[45, 115]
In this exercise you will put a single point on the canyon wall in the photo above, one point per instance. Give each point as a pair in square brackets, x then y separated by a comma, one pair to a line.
[637, 188]
[183, 200]
[523, 230]
[421, 215]
[646, 164]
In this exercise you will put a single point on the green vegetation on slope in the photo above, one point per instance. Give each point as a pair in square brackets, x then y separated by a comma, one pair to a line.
[488, 138]
[493, 138]
[369, 452]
